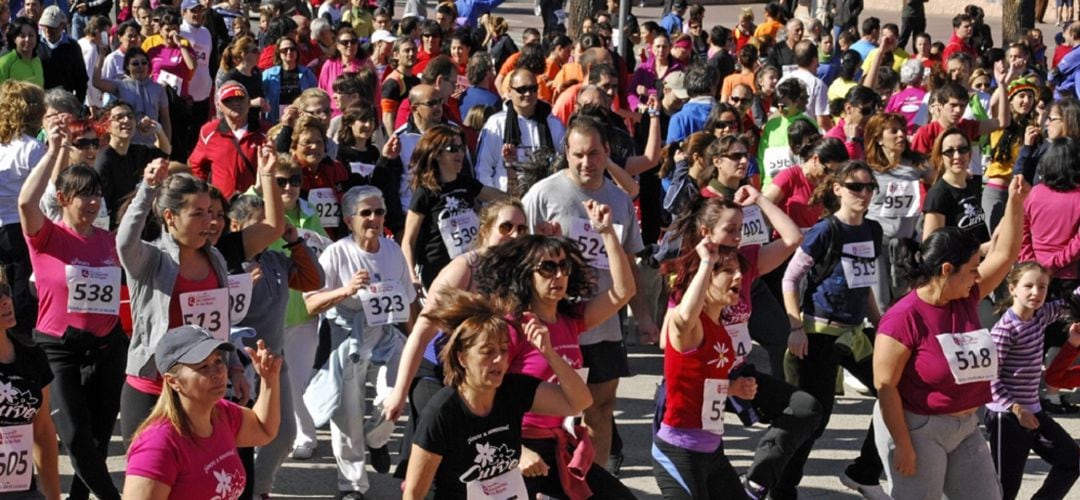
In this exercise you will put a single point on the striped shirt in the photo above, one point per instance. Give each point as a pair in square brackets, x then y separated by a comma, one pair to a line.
[1020, 351]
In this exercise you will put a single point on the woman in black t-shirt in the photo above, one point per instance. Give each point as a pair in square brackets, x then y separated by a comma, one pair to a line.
[25, 422]
[468, 439]
[239, 63]
[955, 199]
[441, 223]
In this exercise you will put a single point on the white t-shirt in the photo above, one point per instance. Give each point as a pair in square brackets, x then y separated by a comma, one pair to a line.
[201, 83]
[818, 102]
[90, 57]
[17, 158]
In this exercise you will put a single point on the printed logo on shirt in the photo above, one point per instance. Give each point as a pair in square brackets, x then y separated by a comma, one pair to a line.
[230, 485]
[490, 461]
[16, 405]
[723, 355]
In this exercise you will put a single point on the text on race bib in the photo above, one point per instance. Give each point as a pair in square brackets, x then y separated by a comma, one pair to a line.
[361, 168]
[239, 296]
[972, 356]
[860, 264]
[208, 309]
[712, 405]
[326, 204]
[776, 159]
[591, 242]
[459, 232]
[315, 241]
[384, 303]
[93, 289]
[740, 339]
[900, 199]
[16, 457]
[505, 486]
[754, 229]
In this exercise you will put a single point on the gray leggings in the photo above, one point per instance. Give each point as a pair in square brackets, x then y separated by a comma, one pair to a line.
[952, 458]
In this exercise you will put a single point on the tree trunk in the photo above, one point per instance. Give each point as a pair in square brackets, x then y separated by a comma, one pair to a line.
[577, 11]
[1017, 16]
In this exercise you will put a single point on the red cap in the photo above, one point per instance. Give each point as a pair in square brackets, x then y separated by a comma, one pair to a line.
[230, 90]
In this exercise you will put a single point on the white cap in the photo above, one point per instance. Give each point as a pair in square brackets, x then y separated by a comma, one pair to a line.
[382, 36]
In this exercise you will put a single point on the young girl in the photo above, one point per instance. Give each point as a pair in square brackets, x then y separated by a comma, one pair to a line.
[1016, 420]
[367, 165]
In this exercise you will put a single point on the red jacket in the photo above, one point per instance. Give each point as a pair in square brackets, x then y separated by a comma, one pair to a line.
[221, 160]
[308, 52]
[956, 44]
[1062, 373]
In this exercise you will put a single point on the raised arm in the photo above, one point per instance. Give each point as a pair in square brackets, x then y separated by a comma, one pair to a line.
[682, 330]
[129, 244]
[773, 254]
[603, 306]
[260, 235]
[1003, 254]
[261, 423]
[30, 214]
[570, 396]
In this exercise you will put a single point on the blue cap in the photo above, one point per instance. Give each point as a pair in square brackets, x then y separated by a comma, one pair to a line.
[190, 4]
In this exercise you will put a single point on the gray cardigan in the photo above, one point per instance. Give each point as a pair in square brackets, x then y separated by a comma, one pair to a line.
[151, 269]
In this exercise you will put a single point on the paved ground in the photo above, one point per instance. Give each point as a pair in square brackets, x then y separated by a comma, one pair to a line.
[315, 478]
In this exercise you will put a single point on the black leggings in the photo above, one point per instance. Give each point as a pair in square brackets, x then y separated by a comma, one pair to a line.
[691, 475]
[601, 482]
[1010, 444]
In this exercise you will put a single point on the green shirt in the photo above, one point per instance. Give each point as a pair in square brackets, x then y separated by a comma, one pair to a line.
[13, 67]
[774, 154]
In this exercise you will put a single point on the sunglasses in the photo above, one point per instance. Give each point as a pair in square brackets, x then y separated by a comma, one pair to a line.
[286, 50]
[293, 180]
[139, 62]
[526, 89]
[858, 187]
[454, 148]
[368, 212]
[736, 157]
[432, 103]
[550, 268]
[727, 124]
[87, 143]
[949, 153]
[738, 100]
[508, 227]
[350, 41]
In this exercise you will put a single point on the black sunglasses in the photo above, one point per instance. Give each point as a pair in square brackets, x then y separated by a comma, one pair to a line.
[550, 268]
[858, 187]
[727, 124]
[949, 153]
[367, 212]
[508, 227]
[526, 89]
[87, 143]
[454, 148]
[737, 157]
[284, 182]
[738, 100]
[350, 41]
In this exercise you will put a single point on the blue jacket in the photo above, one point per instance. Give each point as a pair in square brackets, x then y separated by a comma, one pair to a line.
[691, 118]
[271, 84]
[671, 22]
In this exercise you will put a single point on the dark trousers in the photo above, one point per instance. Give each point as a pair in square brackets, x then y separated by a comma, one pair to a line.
[817, 376]
[422, 390]
[88, 372]
[909, 27]
[135, 406]
[1010, 444]
[793, 418]
[769, 325]
[15, 259]
[705, 475]
[601, 482]
[192, 116]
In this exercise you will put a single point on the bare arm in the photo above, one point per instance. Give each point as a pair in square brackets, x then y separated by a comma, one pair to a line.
[890, 357]
[260, 423]
[45, 450]
[653, 146]
[408, 242]
[932, 221]
[260, 235]
[421, 473]
[773, 254]
[144, 488]
[623, 179]
[570, 396]
[100, 83]
[1003, 254]
[30, 214]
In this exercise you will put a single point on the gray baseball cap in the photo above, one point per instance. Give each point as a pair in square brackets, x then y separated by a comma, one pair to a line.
[186, 344]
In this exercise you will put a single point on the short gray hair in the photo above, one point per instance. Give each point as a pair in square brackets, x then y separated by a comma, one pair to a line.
[318, 25]
[63, 101]
[356, 194]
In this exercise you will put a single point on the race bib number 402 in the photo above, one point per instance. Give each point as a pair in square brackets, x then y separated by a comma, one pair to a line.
[754, 230]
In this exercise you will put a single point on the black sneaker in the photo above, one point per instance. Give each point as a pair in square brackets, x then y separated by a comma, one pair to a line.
[754, 492]
[1062, 408]
[350, 495]
[616, 461]
[380, 459]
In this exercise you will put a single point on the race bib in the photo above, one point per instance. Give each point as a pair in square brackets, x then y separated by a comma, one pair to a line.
[239, 296]
[208, 309]
[509, 485]
[972, 356]
[459, 232]
[16, 457]
[776, 159]
[740, 339]
[361, 168]
[326, 204]
[788, 69]
[860, 264]
[591, 243]
[166, 78]
[93, 289]
[754, 230]
[568, 422]
[901, 199]
[384, 303]
[315, 241]
[712, 405]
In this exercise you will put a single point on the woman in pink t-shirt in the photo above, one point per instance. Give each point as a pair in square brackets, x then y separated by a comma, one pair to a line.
[186, 448]
[933, 362]
[555, 461]
[172, 63]
[792, 188]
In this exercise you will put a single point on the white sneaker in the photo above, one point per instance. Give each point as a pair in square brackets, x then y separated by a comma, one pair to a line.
[855, 384]
[872, 492]
[303, 452]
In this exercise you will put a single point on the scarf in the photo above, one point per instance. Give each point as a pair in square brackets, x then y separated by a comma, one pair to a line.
[512, 131]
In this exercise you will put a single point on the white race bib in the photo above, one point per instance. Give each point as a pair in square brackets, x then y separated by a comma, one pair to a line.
[16, 457]
[712, 405]
[384, 303]
[788, 69]
[776, 159]
[361, 168]
[326, 204]
[740, 339]
[754, 230]
[459, 232]
[315, 241]
[591, 243]
[208, 309]
[901, 199]
[93, 289]
[166, 78]
[509, 485]
[972, 356]
[239, 296]
[860, 264]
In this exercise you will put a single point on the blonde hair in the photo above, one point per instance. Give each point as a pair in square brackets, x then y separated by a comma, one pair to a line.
[490, 213]
[22, 107]
[168, 409]
[235, 52]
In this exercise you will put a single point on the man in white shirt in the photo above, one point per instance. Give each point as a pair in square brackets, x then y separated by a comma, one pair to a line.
[817, 107]
[201, 85]
[500, 140]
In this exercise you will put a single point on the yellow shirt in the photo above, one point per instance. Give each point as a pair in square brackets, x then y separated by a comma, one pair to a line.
[899, 57]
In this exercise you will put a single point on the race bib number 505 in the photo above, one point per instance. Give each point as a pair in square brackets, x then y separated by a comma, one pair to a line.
[16, 461]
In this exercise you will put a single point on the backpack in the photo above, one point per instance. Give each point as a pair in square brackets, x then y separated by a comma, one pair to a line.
[823, 268]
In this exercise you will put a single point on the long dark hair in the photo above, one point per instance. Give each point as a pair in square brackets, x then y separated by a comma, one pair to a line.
[506, 272]
[918, 264]
[1060, 165]
[824, 194]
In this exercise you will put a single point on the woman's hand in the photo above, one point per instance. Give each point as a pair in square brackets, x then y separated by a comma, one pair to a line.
[1032, 135]
[256, 272]
[708, 251]
[155, 172]
[240, 387]
[1074, 334]
[1019, 189]
[545, 228]
[531, 464]
[392, 148]
[291, 114]
[798, 344]
[538, 334]
[599, 214]
[904, 459]
[359, 280]
[56, 136]
[291, 235]
[267, 364]
[1026, 418]
[746, 196]
[394, 404]
[744, 388]
[267, 158]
